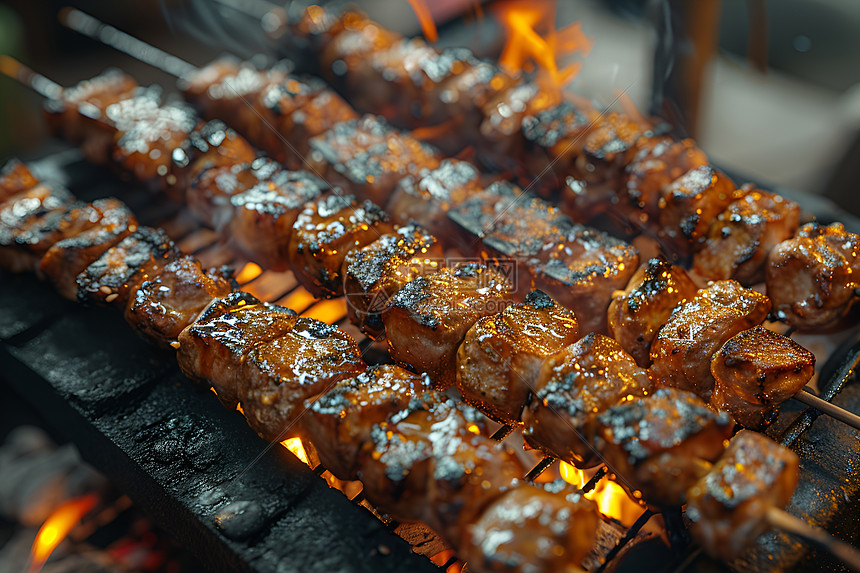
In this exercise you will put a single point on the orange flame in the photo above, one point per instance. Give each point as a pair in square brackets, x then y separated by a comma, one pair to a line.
[532, 39]
[248, 273]
[57, 527]
[426, 19]
[295, 445]
[611, 499]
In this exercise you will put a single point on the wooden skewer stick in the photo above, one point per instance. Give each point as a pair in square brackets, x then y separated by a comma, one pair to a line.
[784, 521]
[37, 82]
[826, 407]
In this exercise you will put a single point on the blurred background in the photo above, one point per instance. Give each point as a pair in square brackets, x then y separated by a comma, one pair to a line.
[771, 90]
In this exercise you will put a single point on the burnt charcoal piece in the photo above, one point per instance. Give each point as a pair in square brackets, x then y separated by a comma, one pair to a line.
[28, 224]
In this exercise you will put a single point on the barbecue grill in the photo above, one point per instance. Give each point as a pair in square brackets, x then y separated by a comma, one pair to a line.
[242, 505]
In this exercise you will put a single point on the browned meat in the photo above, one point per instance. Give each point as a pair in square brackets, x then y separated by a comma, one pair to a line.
[426, 320]
[28, 225]
[501, 127]
[263, 216]
[812, 279]
[367, 157]
[15, 178]
[373, 274]
[169, 301]
[637, 313]
[88, 231]
[348, 45]
[575, 385]
[532, 529]
[325, 232]
[116, 274]
[209, 192]
[741, 237]
[661, 445]
[728, 506]
[682, 351]
[195, 85]
[757, 370]
[427, 198]
[210, 145]
[499, 360]
[342, 420]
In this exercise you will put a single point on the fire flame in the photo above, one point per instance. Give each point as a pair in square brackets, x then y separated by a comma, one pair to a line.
[611, 499]
[57, 527]
[426, 19]
[295, 446]
[533, 40]
[248, 273]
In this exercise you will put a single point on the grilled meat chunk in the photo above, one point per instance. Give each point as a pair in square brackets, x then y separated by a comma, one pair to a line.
[729, 505]
[499, 360]
[690, 203]
[374, 273]
[572, 387]
[368, 158]
[87, 232]
[347, 47]
[342, 420]
[755, 371]
[637, 313]
[15, 177]
[426, 320]
[116, 274]
[428, 197]
[28, 225]
[741, 237]
[683, 348]
[324, 233]
[165, 304]
[212, 144]
[195, 84]
[532, 529]
[209, 192]
[263, 216]
[812, 279]
[501, 126]
[661, 445]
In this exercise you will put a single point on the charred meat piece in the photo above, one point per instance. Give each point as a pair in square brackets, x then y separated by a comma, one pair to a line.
[195, 85]
[209, 192]
[373, 274]
[812, 279]
[15, 177]
[541, 528]
[661, 445]
[639, 311]
[352, 40]
[367, 157]
[211, 145]
[165, 304]
[572, 387]
[426, 320]
[88, 231]
[29, 221]
[683, 348]
[263, 216]
[116, 274]
[428, 197]
[729, 505]
[741, 237]
[499, 360]
[501, 127]
[755, 371]
[342, 420]
[325, 231]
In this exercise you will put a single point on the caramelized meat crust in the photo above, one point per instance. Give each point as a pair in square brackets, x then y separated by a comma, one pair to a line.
[728, 506]
[741, 237]
[342, 420]
[755, 371]
[682, 351]
[639, 311]
[572, 387]
[426, 320]
[541, 528]
[15, 177]
[661, 445]
[324, 233]
[169, 301]
[812, 278]
[208, 193]
[373, 275]
[28, 225]
[499, 360]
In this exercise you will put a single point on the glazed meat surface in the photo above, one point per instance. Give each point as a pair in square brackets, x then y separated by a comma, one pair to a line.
[637, 313]
[28, 225]
[209, 192]
[15, 177]
[572, 387]
[499, 360]
[373, 275]
[426, 320]
[741, 237]
[728, 506]
[812, 278]
[661, 445]
[325, 231]
[755, 371]
[682, 351]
